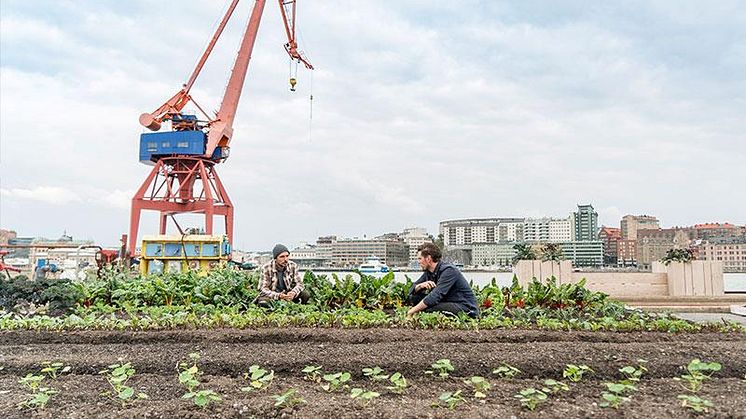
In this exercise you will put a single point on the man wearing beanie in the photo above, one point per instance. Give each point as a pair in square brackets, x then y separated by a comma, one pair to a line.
[281, 280]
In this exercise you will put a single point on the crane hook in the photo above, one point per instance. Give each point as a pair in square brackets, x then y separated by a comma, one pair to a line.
[292, 84]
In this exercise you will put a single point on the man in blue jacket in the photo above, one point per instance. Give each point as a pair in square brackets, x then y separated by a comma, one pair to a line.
[441, 287]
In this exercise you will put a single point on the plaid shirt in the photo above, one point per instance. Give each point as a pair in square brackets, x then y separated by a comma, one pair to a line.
[268, 282]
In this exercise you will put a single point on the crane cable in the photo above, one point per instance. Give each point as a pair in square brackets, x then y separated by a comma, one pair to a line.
[310, 108]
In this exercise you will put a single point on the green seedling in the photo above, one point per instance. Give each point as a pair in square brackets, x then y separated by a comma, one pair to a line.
[554, 386]
[375, 374]
[364, 396]
[612, 400]
[258, 378]
[575, 373]
[480, 384]
[189, 378]
[313, 373]
[53, 369]
[31, 381]
[530, 398]
[39, 398]
[695, 403]
[336, 381]
[450, 399]
[399, 383]
[614, 396]
[289, 398]
[633, 374]
[442, 367]
[506, 371]
[697, 373]
[117, 376]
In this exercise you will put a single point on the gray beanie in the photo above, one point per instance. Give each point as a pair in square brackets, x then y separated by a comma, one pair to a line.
[278, 249]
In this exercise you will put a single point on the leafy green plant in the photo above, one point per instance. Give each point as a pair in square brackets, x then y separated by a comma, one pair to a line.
[575, 373]
[117, 376]
[530, 398]
[695, 403]
[442, 367]
[54, 368]
[39, 398]
[363, 395]
[678, 255]
[289, 398]
[31, 381]
[614, 396]
[697, 373]
[375, 374]
[258, 378]
[313, 373]
[633, 374]
[480, 384]
[336, 381]
[398, 383]
[554, 386]
[450, 399]
[506, 371]
[189, 378]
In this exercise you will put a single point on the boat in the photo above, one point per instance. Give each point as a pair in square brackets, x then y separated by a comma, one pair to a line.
[373, 265]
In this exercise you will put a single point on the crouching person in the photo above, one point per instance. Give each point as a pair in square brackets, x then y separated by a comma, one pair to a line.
[281, 280]
[441, 288]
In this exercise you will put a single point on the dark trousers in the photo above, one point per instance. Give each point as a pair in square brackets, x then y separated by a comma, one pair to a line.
[442, 307]
[266, 302]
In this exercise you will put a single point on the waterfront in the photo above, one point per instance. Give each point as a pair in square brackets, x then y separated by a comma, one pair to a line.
[733, 282]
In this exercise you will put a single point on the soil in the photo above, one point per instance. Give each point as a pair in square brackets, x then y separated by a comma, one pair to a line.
[226, 354]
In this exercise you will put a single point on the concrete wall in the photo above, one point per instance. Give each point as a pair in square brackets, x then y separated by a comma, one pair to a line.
[698, 278]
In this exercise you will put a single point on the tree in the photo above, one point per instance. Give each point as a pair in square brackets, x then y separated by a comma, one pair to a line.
[523, 252]
[552, 252]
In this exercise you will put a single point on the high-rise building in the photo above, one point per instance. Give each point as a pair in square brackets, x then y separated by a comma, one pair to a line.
[350, 253]
[548, 230]
[631, 223]
[586, 223]
[730, 250]
[414, 237]
[464, 232]
[610, 237]
[584, 253]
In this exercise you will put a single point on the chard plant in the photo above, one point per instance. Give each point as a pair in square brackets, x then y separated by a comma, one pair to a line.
[553, 386]
[575, 373]
[364, 396]
[313, 373]
[189, 378]
[398, 383]
[53, 369]
[117, 376]
[375, 374]
[289, 398]
[530, 398]
[480, 384]
[258, 378]
[336, 381]
[697, 373]
[695, 403]
[442, 367]
[449, 399]
[506, 371]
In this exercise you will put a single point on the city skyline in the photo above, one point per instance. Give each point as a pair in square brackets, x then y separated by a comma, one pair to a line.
[430, 111]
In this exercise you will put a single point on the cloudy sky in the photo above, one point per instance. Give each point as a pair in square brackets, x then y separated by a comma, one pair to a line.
[422, 111]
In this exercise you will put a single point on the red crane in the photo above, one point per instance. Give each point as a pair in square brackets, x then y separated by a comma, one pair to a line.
[184, 179]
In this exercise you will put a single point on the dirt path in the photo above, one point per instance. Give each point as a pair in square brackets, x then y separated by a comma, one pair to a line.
[226, 354]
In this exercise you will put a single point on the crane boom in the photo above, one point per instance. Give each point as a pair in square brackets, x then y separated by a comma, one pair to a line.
[220, 128]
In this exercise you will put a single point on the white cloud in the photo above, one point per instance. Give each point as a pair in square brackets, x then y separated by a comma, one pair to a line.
[421, 112]
[48, 194]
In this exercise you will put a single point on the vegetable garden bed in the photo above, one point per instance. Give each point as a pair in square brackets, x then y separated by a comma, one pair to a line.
[226, 354]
